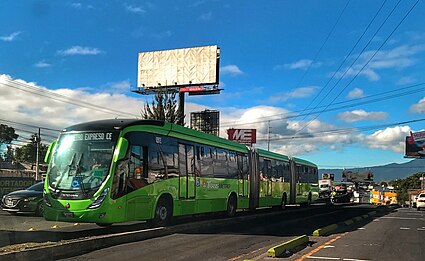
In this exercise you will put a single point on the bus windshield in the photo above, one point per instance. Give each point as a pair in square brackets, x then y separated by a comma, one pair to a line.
[81, 162]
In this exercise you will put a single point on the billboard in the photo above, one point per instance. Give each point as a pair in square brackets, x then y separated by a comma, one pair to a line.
[10, 184]
[348, 175]
[244, 136]
[415, 145]
[179, 67]
[206, 121]
[328, 176]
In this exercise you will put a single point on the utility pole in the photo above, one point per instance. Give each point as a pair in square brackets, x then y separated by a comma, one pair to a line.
[37, 156]
[268, 137]
[181, 107]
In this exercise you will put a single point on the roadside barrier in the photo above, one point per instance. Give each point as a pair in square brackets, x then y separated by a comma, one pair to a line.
[325, 230]
[284, 248]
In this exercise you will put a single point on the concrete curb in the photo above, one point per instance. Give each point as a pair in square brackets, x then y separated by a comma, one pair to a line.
[325, 230]
[348, 222]
[371, 213]
[278, 250]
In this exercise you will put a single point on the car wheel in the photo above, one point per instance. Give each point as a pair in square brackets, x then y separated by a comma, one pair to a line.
[40, 209]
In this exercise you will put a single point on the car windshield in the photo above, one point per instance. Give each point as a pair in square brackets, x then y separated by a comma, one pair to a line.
[80, 161]
[36, 187]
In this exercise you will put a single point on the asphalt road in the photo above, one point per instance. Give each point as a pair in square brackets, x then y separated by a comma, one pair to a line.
[245, 240]
[400, 235]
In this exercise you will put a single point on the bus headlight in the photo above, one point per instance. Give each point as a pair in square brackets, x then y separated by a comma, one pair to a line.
[98, 201]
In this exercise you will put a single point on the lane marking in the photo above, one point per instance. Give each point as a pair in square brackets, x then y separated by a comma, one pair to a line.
[329, 246]
[361, 228]
[421, 229]
[404, 228]
[324, 257]
[402, 218]
[353, 259]
[376, 220]
[317, 249]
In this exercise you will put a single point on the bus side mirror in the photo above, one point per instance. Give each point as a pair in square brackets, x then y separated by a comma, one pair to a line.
[49, 151]
[121, 149]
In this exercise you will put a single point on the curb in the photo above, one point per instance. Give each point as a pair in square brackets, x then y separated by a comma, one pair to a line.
[278, 250]
[325, 230]
[348, 222]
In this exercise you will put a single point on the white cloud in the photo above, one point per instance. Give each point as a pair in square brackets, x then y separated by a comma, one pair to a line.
[11, 37]
[302, 64]
[232, 70]
[355, 93]
[134, 9]
[361, 115]
[76, 5]
[163, 35]
[302, 92]
[42, 64]
[406, 80]
[26, 107]
[122, 86]
[397, 58]
[79, 50]
[418, 107]
[205, 16]
[388, 139]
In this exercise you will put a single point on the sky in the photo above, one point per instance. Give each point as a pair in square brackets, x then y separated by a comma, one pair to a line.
[340, 83]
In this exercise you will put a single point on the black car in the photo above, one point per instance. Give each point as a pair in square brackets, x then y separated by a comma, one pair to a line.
[29, 200]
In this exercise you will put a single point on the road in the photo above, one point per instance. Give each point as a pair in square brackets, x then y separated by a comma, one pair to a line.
[397, 236]
[241, 241]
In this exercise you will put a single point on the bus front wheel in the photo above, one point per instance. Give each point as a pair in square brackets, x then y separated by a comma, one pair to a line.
[231, 206]
[163, 212]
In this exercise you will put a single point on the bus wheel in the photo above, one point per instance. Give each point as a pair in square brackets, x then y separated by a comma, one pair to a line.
[163, 212]
[283, 203]
[231, 206]
[309, 200]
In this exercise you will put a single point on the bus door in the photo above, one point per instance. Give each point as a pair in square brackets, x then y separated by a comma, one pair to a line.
[254, 179]
[293, 183]
[266, 177]
[187, 172]
[243, 171]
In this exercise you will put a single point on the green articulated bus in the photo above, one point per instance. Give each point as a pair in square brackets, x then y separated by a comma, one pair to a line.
[112, 171]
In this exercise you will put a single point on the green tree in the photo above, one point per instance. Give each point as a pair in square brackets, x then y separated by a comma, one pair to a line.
[7, 134]
[403, 185]
[28, 152]
[164, 107]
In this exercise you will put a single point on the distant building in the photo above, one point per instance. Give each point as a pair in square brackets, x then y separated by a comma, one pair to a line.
[206, 121]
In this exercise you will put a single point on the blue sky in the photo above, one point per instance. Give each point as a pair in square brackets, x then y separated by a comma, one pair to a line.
[275, 59]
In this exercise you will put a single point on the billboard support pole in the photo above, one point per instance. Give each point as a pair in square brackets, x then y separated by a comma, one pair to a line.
[181, 108]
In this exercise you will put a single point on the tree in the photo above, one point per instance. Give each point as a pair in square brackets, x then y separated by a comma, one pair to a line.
[164, 107]
[7, 134]
[28, 152]
[403, 185]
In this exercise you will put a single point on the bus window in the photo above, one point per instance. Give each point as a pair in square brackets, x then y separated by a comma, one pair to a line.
[138, 173]
[232, 165]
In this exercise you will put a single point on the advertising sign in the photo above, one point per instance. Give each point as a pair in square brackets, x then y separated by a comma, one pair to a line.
[415, 145]
[348, 175]
[244, 136]
[179, 67]
[328, 176]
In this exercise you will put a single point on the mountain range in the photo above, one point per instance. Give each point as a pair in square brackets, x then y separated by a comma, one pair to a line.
[387, 172]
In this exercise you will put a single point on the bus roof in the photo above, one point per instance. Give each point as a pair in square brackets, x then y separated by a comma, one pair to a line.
[304, 162]
[272, 155]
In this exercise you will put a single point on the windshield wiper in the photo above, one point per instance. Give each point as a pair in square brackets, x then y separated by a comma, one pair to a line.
[78, 174]
[67, 173]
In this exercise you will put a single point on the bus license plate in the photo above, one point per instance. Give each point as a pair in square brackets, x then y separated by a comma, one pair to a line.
[68, 214]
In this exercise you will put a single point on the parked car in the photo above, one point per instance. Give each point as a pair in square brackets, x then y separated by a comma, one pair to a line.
[29, 200]
[420, 202]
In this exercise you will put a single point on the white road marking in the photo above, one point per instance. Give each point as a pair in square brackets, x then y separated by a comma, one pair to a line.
[404, 228]
[402, 218]
[421, 229]
[332, 246]
[376, 220]
[352, 259]
[361, 228]
[324, 257]
[335, 258]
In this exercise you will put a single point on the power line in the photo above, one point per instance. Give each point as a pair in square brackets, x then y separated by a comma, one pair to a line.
[346, 57]
[407, 90]
[323, 44]
[63, 98]
[343, 130]
[374, 54]
[28, 125]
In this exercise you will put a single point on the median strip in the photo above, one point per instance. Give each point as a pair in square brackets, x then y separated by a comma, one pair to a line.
[283, 248]
[325, 230]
